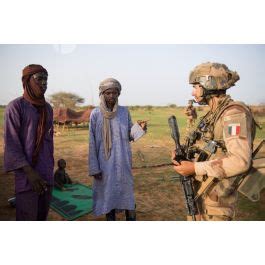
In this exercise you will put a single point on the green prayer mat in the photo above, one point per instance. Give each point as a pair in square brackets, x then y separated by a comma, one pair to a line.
[73, 202]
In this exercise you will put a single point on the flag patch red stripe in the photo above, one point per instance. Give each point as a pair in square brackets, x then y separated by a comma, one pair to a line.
[234, 129]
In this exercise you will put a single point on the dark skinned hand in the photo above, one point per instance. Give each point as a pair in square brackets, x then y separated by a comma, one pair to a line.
[38, 184]
[143, 124]
[98, 176]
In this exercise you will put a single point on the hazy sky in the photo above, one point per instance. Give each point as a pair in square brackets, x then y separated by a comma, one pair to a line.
[149, 74]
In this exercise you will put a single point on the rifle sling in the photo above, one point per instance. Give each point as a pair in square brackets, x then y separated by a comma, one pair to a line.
[205, 186]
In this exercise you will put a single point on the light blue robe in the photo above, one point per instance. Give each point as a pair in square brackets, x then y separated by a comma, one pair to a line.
[115, 189]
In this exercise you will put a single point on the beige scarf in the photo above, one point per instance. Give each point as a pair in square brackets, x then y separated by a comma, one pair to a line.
[107, 115]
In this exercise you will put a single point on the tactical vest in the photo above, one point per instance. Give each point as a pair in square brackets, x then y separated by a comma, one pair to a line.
[210, 128]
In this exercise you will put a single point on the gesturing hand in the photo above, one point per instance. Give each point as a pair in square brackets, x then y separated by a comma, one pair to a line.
[98, 176]
[143, 124]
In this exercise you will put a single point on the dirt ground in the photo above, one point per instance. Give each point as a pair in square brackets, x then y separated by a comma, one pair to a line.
[158, 194]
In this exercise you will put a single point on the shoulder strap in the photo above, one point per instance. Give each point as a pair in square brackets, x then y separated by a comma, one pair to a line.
[232, 104]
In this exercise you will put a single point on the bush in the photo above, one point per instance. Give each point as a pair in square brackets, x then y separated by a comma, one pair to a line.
[258, 110]
[149, 107]
[134, 107]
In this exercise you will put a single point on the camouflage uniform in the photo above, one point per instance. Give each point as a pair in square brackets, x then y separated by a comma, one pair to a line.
[191, 114]
[231, 125]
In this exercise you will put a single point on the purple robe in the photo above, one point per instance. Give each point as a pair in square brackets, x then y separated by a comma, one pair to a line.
[33, 207]
[20, 126]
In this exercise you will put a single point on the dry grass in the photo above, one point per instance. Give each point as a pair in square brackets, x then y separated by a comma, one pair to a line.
[258, 110]
[158, 195]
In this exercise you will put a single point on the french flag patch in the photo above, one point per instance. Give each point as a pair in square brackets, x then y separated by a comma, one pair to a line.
[234, 129]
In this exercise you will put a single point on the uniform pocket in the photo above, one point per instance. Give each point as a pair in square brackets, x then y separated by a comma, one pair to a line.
[212, 199]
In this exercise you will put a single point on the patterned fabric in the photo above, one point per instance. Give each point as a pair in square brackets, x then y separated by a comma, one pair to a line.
[237, 159]
[115, 189]
[213, 76]
[225, 166]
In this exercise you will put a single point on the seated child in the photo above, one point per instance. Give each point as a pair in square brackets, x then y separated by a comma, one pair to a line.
[60, 176]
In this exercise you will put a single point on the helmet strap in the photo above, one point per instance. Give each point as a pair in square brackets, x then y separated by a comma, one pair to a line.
[207, 94]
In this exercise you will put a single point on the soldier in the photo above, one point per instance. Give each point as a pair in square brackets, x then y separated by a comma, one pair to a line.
[229, 128]
[191, 114]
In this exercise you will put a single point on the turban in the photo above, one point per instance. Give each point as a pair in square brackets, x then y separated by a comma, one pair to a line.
[34, 94]
[107, 114]
[109, 83]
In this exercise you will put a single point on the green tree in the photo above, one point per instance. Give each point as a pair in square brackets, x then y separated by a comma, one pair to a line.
[65, 100]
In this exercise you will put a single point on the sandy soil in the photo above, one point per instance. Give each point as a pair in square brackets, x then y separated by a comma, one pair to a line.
[158, 196]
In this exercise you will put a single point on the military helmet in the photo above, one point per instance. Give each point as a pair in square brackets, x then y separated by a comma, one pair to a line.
[213, 76]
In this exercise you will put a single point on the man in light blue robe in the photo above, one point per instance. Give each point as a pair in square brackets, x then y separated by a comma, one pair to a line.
[110, 156]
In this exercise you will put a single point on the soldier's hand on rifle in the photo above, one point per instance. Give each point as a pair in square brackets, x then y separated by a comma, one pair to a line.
[184, 168]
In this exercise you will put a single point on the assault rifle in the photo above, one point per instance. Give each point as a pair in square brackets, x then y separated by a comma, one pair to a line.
[185, 181]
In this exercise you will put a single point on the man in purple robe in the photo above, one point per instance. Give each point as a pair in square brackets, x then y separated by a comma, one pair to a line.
[28, 149]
